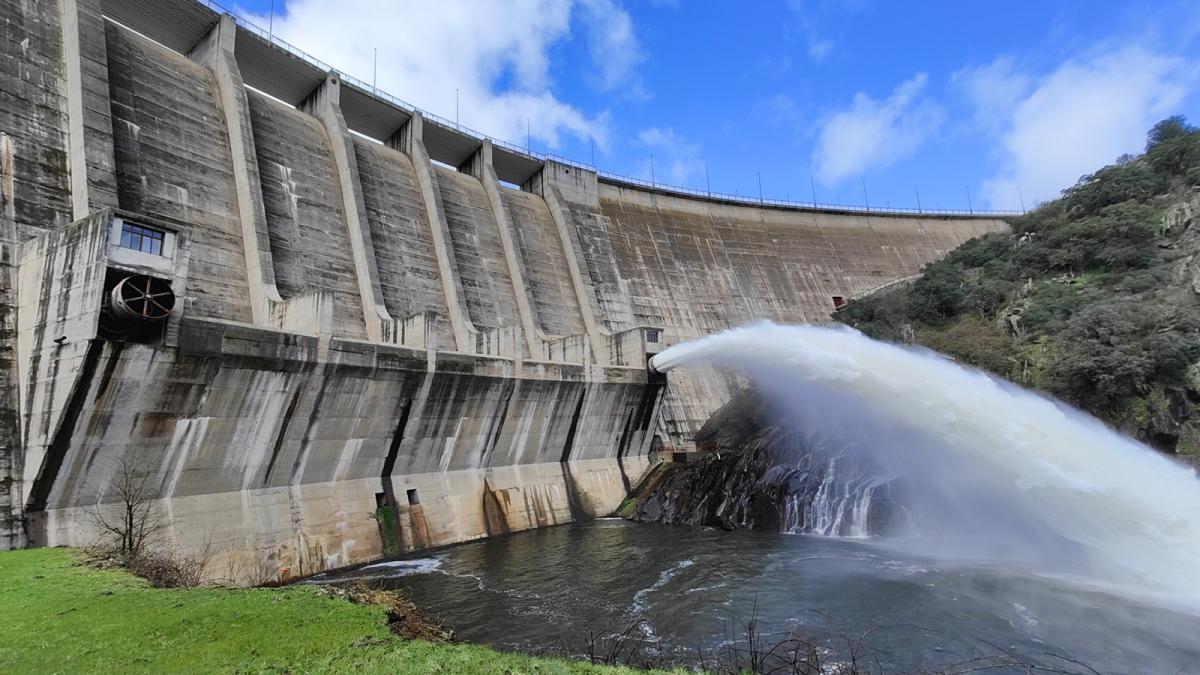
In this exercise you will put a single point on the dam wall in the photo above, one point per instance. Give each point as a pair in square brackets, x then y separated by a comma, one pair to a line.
[310, 326]
[404, 248]
[475, 244]
[695, 267]
[309, 242]
[544, 262]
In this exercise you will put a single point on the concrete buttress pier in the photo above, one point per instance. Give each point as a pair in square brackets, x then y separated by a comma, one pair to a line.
[325, 327]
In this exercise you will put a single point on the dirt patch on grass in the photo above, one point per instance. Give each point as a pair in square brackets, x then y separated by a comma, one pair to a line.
[404, 618]
[162, 568]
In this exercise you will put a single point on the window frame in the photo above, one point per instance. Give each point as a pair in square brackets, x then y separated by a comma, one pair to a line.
[142, 238]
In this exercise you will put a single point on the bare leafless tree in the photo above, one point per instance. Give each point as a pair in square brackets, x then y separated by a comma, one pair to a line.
[130, 518]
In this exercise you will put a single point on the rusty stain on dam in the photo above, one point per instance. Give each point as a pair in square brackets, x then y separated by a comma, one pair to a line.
[326, 325]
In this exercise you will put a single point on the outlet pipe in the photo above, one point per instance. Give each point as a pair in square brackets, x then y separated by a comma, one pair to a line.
[657, 365]
[140, 298]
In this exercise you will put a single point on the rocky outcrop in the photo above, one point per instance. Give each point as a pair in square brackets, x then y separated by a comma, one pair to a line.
[759, 473]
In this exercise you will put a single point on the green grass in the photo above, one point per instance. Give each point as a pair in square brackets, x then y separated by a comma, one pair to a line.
[58, 616]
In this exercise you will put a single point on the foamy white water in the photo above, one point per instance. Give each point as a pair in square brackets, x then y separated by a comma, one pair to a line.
[999, 473]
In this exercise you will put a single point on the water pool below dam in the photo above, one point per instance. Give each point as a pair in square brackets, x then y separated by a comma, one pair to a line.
[545, 590]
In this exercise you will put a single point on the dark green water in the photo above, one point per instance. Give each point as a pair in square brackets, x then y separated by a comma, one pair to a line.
[536, 590]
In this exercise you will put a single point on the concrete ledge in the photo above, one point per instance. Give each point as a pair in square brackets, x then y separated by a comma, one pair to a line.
[569, 349]
[276, 348]
[211, 337]
[475, 364]
[377, 356]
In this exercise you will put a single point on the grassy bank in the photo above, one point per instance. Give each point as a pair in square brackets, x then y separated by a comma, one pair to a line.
[59, 616]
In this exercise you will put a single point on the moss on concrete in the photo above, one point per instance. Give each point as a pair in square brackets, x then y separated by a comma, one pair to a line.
[628, 508]
[387, 518]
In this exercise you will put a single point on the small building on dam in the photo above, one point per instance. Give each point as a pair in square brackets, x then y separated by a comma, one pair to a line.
[323, 326]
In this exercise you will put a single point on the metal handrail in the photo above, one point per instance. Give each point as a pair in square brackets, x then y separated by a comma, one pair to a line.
[609, 176]
[745, 199]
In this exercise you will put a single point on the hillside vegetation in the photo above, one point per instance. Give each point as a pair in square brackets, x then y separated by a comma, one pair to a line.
[1092, 298]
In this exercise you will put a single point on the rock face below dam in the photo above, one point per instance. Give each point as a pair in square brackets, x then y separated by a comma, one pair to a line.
[322, 327]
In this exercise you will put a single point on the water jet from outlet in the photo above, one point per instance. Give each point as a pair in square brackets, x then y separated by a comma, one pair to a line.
[998, 474]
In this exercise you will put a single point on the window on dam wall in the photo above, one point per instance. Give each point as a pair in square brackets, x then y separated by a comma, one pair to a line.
[839, 301]
[142, 238]
[413, 497]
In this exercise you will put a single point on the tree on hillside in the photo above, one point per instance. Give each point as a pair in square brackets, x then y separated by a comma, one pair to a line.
[1173, 150]
[1171, 128]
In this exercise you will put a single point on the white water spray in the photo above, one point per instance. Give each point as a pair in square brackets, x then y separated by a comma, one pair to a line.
[997, 473]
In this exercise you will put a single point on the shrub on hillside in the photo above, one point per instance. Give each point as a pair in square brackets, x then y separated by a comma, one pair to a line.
[939, 294]
[883, 315]
[973, 341]
[1118, 237]
[1051, 304]
[986, 295]
[1113, 184]
[1115, 351]
[981, 251]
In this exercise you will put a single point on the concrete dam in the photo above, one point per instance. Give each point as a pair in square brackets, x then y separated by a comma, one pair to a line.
[323, 326]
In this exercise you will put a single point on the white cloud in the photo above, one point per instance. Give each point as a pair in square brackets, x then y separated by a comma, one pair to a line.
[676, 160]
[872, 134]
[818, 23]
[819, 48]
[494, 55]
[779, 111]
[1078, 118]
[614, 47]
[993, 90]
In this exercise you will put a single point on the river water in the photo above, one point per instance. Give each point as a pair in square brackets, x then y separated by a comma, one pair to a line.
[546, 589]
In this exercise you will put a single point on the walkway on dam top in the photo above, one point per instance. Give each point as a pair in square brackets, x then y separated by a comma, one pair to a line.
[279, 69]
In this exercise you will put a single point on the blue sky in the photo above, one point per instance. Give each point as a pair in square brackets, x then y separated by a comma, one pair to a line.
[1009, 102]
